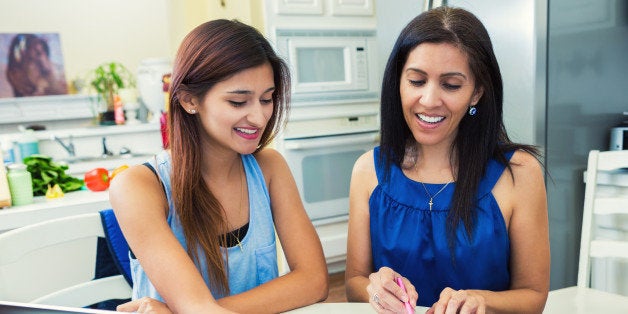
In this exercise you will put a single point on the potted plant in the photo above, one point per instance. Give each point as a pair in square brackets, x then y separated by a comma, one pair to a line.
[107, 79]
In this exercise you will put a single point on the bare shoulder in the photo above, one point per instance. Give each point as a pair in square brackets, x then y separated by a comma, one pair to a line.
[363, 176]
[137, 184]
[525, 164]
[269, 158]
[134, 175]
[365, 163]
[272, 163]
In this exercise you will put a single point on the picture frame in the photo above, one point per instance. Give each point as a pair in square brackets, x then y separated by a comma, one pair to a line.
[31, 64]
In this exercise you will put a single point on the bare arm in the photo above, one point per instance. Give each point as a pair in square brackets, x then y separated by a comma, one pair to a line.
[140, 207]
[307, 282]
[359, 258]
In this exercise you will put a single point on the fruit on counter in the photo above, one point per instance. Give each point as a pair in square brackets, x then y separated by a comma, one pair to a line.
[54, 192]
[44, 171]
[114, 172]
[97, 179]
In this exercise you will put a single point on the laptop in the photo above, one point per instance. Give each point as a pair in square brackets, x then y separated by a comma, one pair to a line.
[7, 307]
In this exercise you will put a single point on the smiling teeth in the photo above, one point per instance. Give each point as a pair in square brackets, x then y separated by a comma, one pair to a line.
[429, 119]
[246, 131]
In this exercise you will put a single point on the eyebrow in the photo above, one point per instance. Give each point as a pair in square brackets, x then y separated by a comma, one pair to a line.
[448, 74]
[248, 92]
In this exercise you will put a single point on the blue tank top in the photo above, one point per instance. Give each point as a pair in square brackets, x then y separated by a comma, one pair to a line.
[409, 238]
[248, 268]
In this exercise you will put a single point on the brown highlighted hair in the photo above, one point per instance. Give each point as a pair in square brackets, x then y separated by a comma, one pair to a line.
[211, 53]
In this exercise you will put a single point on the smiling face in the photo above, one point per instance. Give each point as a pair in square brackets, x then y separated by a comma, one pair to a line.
[436, 90]
[234, 112]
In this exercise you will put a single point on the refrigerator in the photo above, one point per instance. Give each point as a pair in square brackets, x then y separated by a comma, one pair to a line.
[564, 69]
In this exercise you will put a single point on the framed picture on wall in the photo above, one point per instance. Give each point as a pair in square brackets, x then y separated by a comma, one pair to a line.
[31, 65]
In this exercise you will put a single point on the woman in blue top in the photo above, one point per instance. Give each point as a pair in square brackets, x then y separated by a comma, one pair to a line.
[447, 202]
[200, 218]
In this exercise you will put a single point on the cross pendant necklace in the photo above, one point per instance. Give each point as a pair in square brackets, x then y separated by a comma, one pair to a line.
[431, 202]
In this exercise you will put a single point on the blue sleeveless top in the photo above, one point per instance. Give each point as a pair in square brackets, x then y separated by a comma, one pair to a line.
[412, 240]
[249, 267]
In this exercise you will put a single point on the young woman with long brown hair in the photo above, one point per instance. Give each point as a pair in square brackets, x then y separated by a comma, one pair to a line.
[200, 218]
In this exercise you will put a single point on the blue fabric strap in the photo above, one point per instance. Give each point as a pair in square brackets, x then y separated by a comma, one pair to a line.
[116, 243]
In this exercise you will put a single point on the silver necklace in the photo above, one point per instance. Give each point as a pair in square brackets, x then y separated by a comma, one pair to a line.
[430, 195]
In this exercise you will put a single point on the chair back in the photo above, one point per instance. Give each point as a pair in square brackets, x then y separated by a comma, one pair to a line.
[53, 262]
[599, 205]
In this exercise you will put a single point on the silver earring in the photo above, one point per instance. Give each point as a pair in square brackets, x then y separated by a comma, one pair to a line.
[472, 110]
[192, 111]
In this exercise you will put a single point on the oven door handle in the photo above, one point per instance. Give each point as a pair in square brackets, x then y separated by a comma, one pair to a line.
[331, 141]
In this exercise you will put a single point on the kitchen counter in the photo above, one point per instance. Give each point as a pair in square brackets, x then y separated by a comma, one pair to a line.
[73, 203]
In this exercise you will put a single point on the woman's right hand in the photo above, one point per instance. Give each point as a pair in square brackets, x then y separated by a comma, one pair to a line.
[144, 305]
[386, 296]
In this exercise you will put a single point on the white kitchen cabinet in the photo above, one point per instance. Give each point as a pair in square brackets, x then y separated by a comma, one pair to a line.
[352, 7]
[308, 7]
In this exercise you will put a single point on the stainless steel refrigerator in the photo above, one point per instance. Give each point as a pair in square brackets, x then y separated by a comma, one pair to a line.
[565, 70]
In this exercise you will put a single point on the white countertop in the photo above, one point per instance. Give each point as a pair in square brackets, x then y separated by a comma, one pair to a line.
[73, 203]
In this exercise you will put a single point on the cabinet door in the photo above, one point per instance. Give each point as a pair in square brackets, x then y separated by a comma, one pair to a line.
[297, 7]
[352, 7]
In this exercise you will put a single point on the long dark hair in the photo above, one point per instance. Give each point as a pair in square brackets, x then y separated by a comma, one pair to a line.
[211, 53]
[479, 137]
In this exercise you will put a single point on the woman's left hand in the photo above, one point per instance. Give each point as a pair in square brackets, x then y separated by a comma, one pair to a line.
[458, 301]
[144, 305]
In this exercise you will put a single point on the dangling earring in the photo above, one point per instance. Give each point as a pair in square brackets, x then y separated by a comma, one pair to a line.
[472, 110]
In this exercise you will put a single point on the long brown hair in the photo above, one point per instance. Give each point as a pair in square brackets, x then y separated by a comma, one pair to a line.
[213, 52]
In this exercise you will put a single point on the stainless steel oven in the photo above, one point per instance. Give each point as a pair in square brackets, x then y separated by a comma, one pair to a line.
[321, 145]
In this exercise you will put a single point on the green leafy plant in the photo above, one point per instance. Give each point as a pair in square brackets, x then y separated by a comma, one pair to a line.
[107, 79]
[45, 172]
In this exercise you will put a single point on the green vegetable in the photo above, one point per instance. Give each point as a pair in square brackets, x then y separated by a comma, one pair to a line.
[47, 172]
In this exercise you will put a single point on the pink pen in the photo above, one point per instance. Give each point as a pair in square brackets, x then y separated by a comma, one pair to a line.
[409, 308]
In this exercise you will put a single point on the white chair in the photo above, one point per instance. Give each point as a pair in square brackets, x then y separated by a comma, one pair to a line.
[596, 205]
[582, 298]
[53, 262]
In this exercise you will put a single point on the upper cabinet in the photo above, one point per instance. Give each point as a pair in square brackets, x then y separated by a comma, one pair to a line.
[318, 14]
[321, 7]
[308, 7]
[352, 7]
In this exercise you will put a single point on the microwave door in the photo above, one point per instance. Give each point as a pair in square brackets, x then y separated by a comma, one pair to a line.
[322, 170]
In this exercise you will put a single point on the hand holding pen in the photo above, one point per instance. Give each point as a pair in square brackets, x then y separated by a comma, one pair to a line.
[409, 308]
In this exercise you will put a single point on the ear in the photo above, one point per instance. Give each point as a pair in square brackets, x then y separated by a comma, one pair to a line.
[188, 101]
[477, 94]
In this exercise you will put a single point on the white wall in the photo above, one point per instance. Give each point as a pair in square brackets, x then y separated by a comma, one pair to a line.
[93, 32]
[391, 19]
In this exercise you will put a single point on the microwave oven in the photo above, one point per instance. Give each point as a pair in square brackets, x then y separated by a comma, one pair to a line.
[328, 65]
[619, 138]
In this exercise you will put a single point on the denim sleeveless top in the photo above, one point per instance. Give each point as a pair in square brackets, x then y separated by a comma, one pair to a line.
[250, 267]
[409, 238]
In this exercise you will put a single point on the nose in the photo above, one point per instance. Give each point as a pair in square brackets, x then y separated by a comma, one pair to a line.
[256, 115]
[430, 95]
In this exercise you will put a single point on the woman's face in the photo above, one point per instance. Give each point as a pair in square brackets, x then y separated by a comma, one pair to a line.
[234, 112]
[436, 90]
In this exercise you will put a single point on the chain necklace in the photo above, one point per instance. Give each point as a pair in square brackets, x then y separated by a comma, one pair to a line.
[430, 195]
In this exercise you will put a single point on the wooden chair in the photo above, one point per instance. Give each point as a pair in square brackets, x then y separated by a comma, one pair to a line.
[53, 262]
[596, 205]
